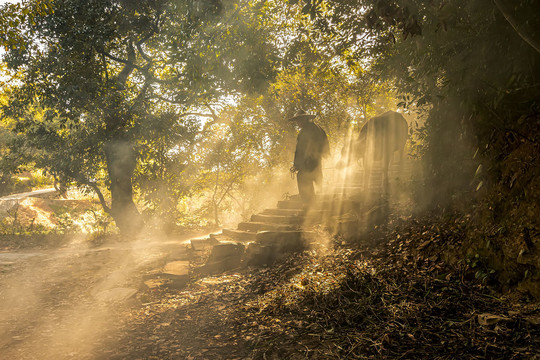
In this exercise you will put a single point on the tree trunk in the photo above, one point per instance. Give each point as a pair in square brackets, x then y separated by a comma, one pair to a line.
[215, 204]
[121, 161]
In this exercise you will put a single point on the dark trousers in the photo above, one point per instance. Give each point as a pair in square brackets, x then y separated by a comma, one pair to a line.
[306, 181]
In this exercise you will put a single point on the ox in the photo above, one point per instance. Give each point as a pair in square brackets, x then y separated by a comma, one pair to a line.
[379, 139]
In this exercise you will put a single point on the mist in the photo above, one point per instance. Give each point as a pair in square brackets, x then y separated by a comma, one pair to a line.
[177, 223]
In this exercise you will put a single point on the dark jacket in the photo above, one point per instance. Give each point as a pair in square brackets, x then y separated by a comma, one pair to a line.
[311, 146]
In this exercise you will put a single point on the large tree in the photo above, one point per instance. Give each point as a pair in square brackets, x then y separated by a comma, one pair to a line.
[100, 80]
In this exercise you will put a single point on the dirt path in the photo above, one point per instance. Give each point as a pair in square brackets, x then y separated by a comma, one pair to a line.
[65, 303]
[40, 192]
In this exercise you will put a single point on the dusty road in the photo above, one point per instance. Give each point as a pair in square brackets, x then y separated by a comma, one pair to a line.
[69, 302]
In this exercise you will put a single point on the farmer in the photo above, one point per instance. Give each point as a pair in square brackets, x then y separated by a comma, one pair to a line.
[311, 146]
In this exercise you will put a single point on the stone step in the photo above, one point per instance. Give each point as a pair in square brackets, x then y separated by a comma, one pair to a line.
[261, 226]
[222, 251]
[321, 197]
[271, 245]
[295, 197]
[221, 238]
[203, 243]
[259, 255]
[223, 257]
[174, 274]
[283, 212]
[320, 203]
[277, 219]
[310, 216]
[290, 204]
[314, 216]
[323, 200]
[285, 241]
[336, 207]
[239, 235]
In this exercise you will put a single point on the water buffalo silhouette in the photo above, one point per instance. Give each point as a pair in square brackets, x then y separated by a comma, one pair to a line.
[379, 139]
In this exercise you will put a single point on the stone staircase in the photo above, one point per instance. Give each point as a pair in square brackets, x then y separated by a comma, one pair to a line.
[346, 208]
[275, 231]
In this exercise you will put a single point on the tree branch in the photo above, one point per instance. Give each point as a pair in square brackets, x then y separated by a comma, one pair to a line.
[164, 82]
[170, 101]
[229, 188]
[139, 43]
[143, 54]
[105, 66]
[512, 21]
[123, 61]
[102, 201]
[140, 96]
[214, 115]
[196, 114]
[80, 179]
[130, 65]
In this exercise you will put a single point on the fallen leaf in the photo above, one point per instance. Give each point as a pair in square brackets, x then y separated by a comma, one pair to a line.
[487, 319]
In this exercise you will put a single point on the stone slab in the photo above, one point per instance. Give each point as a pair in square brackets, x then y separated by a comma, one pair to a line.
[222, 239]
[259, 255]
[219, 266]
[222, 251]
[157, 283]
[239, 235]
[176, 273]
[283, 241]
[283, 212]
[176, 268]
[203, 244]
[223, 257]
[290, 204]
[261, 226]
[277, 219]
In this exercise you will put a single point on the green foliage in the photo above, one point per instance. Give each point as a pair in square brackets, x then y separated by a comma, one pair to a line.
[165, 170]
[15, 17]
[100, 83]
[240, 142]
[19, 184]
[97, 222]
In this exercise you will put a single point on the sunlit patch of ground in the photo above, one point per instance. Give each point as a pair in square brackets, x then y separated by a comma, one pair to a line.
[46, 214]
[36, 211]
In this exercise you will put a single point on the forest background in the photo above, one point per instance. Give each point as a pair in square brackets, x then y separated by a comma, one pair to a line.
[174, 112]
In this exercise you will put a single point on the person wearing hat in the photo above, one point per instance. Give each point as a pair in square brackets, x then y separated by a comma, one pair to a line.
[311, 146]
